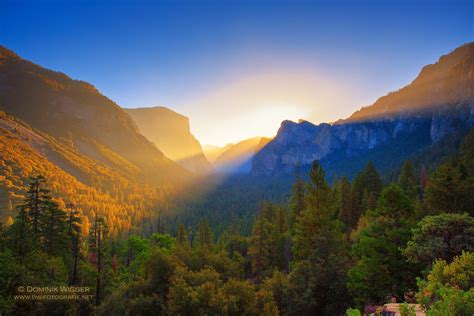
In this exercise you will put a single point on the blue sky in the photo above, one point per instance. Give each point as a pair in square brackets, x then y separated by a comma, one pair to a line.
[237, 68]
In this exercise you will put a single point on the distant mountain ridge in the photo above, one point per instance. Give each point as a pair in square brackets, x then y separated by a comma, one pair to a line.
[438, 102]
[213, 152]
[238, 158]
[170, 132]
[88, 148]
[74, 111]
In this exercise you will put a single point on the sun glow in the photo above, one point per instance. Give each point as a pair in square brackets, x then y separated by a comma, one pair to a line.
[256, 105]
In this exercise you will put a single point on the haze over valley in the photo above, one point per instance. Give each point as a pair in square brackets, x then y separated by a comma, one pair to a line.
[236, 158]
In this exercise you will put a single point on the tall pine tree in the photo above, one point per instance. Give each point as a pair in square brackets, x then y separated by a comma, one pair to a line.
[320, 253]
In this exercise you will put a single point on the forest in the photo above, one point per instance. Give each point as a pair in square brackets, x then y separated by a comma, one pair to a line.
[331, 249]
[237, 158]
[344, 248]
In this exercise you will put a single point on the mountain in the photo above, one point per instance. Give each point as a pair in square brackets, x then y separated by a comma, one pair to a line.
[91, 185]
[439, 102]
[170, 132]
[213, 152]
[237, 158]
[84, 143]
[76, 112]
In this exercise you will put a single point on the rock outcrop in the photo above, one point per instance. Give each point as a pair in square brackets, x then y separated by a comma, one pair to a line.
[170, 132]
[438, 102]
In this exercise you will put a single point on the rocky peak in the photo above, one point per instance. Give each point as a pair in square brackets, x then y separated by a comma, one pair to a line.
[438, 102]
[170, 132]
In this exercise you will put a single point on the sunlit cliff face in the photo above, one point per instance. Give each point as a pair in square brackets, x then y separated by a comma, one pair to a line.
[257, 104]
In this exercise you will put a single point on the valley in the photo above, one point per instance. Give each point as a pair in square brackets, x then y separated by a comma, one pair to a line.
[128, 201]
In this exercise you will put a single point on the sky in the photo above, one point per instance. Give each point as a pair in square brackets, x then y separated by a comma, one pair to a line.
[238, 68]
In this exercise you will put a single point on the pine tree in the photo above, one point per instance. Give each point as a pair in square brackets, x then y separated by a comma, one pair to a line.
[37, 200]
[448, 190]
[347, 215]
[21, 233]
[74, 232]
[318, 189]
[317, 212]
[182, 237]
[204, 239]
[407, 179]
[53, 228]
[297, 203]
[282, 243]
[97, 243]
[320, 253]
[260, 246]
[373, 181]
[366, 189]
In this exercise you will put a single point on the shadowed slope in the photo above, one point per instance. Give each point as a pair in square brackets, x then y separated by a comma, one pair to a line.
[170, 132]
[440, 101]
[75, 112]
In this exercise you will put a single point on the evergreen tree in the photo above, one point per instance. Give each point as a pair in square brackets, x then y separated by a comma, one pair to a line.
[366, 189]
[37, 200]
[182, 237]
[373, 180]
[407, 179]
[320, 253]
[21, 234]
[297, 202]
[448, 190]
[97, 249]
[346, 213]
[442, 236]
[261, 248]
[53, 228]
[74, 232]
[381, 270]
[204, 238]
[281, 240]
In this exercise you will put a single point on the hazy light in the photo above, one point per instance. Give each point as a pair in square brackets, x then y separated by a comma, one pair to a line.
[256, 105]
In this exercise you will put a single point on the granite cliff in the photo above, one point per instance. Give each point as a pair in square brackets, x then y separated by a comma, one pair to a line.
[440, 101]
[170, 132]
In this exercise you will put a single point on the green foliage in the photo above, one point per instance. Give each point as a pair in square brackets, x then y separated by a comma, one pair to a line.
[163, 241]
[346, 213]
[203, 238]
[448, 190]
[353, 312]
[297, 201]
[329, 248]
[279, 285]
[380, 268]
[269, 241]
[395, 204]
[366, 188]
[407, 310]
[449, 288]
[442, 236]
[408, 180]
[320, 252]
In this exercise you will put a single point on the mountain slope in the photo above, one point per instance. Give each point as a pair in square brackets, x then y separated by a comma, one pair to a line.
[75, 112]
[237, 158]
[170, 132]
[74, 178]
[213, 152]
[84, 144]
[438, 102]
